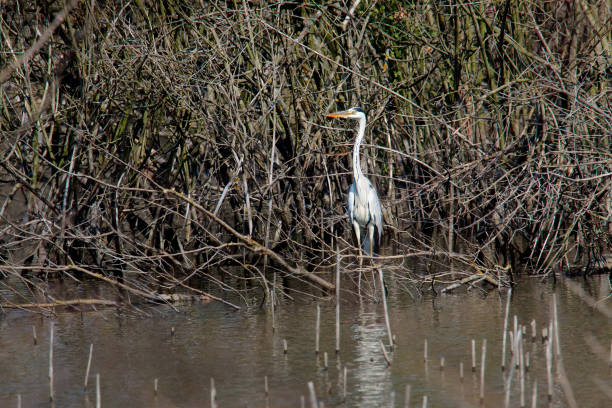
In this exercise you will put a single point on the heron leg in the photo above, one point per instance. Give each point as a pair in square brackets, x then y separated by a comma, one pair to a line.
[371, 235]
[357, 233]
[371, 248]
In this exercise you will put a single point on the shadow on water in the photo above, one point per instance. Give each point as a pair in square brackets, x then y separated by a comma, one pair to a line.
[238, 349]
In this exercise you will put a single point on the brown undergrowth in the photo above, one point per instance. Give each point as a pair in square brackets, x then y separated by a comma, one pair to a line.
[169, 146]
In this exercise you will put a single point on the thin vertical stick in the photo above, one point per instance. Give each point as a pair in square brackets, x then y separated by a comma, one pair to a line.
[325, 360]
[503, 364]
[344, 383]
[266, 390]
[407, 396]
[213, 393]
[313, 395]
[534, 332]
[461, 371]
[518, 346]
[88, 366]
[18, 400]
[425, 351]
[284, 346]
[442, 363]
[270, 178]
[51, 391]
[98, 392]
[424, 401]
[384, 298]
[508, 384]
[155, 386]
[522, 373]
[66, 190]
[272, 306]
[483, 358]
[382, 347]
[337, 300]
[534, 394]
[451, 219]
[549, 368]
[556, 327]
[473, 355]
[515, 325]
[317, 329]
[34, 334]
[551, 331]
[248, 203]
[514, 350]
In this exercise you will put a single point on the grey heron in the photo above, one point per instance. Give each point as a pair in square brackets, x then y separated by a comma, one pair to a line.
[364, 210]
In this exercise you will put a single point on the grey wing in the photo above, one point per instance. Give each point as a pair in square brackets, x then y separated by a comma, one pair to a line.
[375, 210]
[351, 204]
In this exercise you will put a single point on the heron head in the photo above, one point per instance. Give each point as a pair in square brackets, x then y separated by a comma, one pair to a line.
[351, 113]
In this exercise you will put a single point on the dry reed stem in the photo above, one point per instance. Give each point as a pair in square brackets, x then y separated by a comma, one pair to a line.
[98, 392]
[88, 366]
[504, 334]
[482, 368]
[314, 403]
[337, 300]
[407, 396]
[51, 385]
[385, 354]
[213, 393]
[385, 309]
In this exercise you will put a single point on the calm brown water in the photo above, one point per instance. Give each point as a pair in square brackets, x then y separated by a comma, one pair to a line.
[238, 349]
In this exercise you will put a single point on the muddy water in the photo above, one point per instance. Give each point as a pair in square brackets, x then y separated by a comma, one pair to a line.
[238, 349]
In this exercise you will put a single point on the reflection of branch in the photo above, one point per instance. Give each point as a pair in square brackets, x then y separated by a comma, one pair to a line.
[147, 295]
[605, 388]
[203, 293]
[580, 292]
[72, 267]
[253, 245]
[58, 303]
[172, 298]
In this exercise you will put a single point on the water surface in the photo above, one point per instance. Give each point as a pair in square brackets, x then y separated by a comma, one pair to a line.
[239, 348]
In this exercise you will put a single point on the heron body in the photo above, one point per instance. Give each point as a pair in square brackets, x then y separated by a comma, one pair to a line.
[365, 216]
[364, 210]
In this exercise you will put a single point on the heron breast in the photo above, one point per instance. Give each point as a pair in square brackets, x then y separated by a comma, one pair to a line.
[361, 213]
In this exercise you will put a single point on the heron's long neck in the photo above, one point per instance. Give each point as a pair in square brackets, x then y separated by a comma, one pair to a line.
[357, 173]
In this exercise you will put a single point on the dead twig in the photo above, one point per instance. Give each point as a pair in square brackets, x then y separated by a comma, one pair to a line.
[254, 245]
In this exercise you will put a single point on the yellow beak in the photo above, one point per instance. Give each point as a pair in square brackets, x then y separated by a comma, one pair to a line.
[340, 114]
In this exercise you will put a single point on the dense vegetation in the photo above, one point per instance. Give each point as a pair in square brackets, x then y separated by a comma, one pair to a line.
[159, 145]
